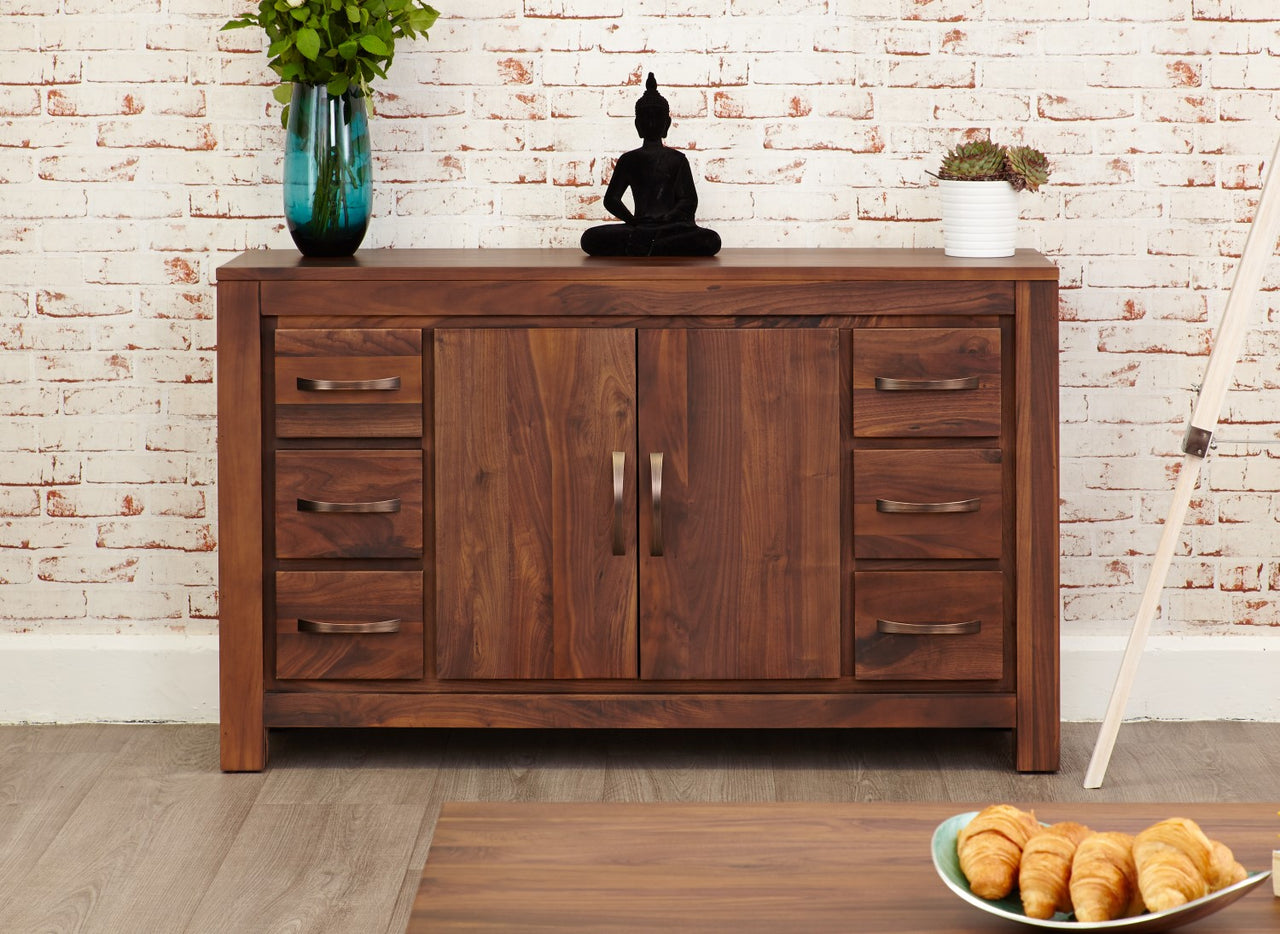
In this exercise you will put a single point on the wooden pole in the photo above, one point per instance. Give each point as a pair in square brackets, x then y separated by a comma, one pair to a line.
[1258, 249]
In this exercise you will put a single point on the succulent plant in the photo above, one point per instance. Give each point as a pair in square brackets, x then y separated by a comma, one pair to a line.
[977, 161]
[1026, 167]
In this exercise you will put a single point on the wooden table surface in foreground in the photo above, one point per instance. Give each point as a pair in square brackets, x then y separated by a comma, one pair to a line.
[742, 868]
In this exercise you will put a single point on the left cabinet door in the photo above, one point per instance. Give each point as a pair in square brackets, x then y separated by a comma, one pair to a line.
[535, 446]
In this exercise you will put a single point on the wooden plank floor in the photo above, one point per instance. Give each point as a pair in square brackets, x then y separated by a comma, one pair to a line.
[131, 828]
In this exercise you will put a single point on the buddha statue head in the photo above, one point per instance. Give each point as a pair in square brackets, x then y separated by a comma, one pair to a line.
[653, 113]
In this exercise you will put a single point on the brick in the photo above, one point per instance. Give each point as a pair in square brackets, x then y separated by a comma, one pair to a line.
[135, 201]
[1235, 10]
[135, 67]
[185, 436]
[41, 603]
[17, 501]
[132, 603]
[1020, 11]
[1086, 105]
[117, 400]
[84, 302]
[88, 568]
[157, 133]
[811, 134]
[942, 10]
[93, 167]
[507, 169]
[984, 106]
[16, 167]
[80, 367]
[995, 40]
[755, 170]
[15, 567]
[86, 433]
[156, 532]
[19, 101]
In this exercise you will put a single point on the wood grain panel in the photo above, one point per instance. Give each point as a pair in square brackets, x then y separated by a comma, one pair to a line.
[530, 709]
[928, 597]
[349, 597]
[348, 477]
[240, 517]
[831, 265]
[710, 297]
[1036, 482]
[526, 425]
[926, 354]
[820, 868]
[347, 354]
[921, 477]
[748, 585]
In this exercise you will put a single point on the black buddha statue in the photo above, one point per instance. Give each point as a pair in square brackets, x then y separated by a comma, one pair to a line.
[661, 185]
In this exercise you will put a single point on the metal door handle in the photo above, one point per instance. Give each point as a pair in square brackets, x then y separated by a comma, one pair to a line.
[966, 628]
[315, 505]
[888, 384]
[655, 492]
[619, 480]
[893, 505]
[337, 385]
[334, 628]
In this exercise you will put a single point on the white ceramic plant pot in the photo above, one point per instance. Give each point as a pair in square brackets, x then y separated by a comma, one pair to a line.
[978, 218]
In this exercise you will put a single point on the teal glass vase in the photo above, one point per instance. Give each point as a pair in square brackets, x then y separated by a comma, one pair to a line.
[328, 178]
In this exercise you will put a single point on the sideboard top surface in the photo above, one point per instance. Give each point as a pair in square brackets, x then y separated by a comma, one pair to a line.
[737, 265]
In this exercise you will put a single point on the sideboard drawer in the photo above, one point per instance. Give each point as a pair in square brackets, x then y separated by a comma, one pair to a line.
[923, 503]
[928, 625]
[348, 504]
[926, 382]
[349, 624]
[348, 382]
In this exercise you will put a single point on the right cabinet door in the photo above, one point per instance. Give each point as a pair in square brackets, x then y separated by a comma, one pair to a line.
[739, 460]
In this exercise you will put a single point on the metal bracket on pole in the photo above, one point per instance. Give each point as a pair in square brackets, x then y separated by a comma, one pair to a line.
[1196, 441]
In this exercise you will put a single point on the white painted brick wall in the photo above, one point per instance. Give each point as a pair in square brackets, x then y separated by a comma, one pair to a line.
[140, 148]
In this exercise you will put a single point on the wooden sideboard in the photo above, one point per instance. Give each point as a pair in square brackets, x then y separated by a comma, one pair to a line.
[528, 488]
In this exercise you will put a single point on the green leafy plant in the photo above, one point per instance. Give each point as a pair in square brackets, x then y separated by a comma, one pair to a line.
[338, 43]
[984, 161]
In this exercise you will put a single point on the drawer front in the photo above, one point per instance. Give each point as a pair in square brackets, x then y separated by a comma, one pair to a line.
[926, 382]
[926, 504]
[928, 625]
[348, 383]
[349, 624]
[348, 504]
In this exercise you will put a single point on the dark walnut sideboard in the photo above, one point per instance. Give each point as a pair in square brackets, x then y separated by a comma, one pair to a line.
[528, 488]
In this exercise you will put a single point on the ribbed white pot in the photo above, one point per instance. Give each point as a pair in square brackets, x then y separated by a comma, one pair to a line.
[978, 218]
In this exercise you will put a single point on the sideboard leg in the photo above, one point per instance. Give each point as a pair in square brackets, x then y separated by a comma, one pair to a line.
[240, 512]
[1037, 736]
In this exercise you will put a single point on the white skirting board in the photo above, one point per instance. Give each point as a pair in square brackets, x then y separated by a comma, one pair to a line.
[174, 678]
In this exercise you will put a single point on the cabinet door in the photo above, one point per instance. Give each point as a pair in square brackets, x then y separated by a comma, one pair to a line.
[746, 581]
[535, 548]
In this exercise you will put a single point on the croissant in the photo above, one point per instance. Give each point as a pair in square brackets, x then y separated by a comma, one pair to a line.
[990, 848]
[1046, 868]
[1174, 858]
[1104, 880]
[1223, 868]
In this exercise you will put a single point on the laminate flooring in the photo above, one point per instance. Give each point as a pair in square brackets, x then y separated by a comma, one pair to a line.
[132, 828]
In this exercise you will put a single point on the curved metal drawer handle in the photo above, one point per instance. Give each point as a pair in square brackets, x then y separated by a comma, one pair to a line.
[966, 628]
[888, 384]
[895, 506]
[331, 385]
[315, 505]
[619, 480]
[655, 492]
[329, 627]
